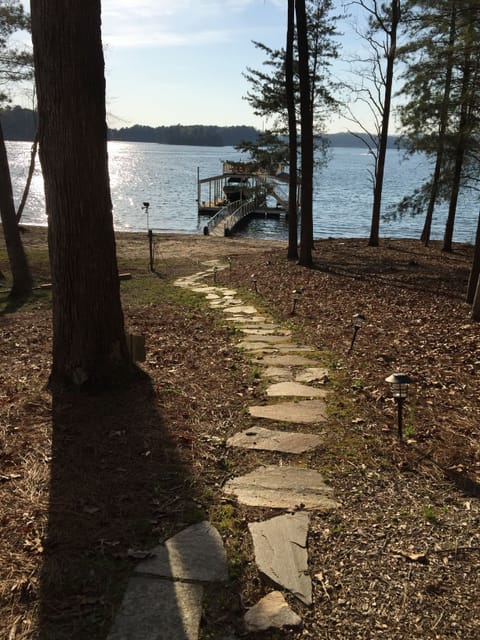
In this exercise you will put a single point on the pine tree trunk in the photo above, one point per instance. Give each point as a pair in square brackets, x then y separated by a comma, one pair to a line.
[292, 253]
[382, 150]
[475, 270]
[31, 170]
[306, 118]
[459, 154]
[427, 227]
[89, 346]
[21, 276]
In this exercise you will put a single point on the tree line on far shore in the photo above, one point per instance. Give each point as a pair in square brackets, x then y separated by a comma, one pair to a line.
[21, 124]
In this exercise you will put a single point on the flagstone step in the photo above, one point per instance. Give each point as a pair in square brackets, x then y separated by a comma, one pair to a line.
[271, 612]
[158, 610]
[270, 440]
[282, 487]
[280, 546]
[300, 412]
[294, 389]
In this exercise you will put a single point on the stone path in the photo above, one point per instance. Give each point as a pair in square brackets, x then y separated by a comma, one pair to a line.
[164, 598]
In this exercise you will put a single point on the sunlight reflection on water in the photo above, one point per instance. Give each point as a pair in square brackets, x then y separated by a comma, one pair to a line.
[166, 176]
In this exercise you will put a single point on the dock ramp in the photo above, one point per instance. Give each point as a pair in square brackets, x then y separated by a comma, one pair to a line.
[226, 219]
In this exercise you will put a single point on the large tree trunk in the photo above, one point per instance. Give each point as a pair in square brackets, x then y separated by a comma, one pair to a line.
[382, 148]
[459, 153]
[476, 303]
[89, 346]
[292, 253]
[306, 119]
[28, 183]
[475, 270]
[21, 276]
[427, 227]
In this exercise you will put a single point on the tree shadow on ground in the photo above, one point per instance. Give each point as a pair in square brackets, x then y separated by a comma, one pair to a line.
[115, 472]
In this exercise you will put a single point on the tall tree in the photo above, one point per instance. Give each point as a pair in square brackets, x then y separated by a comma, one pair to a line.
[15, 65]
[276, 95]
[21, 276]
[375, 91]
[89, 346]
[467, 108]
[292, 250]
[440, 115]
[306, 130]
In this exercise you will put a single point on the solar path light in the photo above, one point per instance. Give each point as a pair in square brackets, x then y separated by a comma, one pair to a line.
[254, 282]
[399, 383]
[297, 294]
[357, 321]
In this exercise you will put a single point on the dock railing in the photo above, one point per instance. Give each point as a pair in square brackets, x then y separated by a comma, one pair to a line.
[231, 215]
[243, 210]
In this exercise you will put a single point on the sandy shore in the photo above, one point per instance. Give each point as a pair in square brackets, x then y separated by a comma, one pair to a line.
[170, 245]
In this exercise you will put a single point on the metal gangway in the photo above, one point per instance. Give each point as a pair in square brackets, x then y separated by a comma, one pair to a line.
[225, 220]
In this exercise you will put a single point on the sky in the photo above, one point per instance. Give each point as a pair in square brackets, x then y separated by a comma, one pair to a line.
[181, 61]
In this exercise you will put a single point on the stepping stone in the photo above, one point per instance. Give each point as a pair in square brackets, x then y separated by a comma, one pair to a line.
[227, 292]
[203, 289]
[196, 553]
[246, 345]
[268, 339]
[252, 321]
[293, 348]
[302, 412]
[272, 611]
[280, 546]
[278, 373]
[287, 361]
[283, 487]
[268, 440]
[224, 302]
[312, 374]
[295, 389]
[158, 610]
[239, 309]
[273, 330]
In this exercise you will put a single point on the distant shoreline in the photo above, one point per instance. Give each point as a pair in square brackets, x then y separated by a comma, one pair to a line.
[20, 125]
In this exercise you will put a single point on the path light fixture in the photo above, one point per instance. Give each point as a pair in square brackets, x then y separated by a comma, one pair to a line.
[357, 321]
[297, 294]
[254, 281]
[215, 269]
[146, 207]
[229, 260]
[399, 382]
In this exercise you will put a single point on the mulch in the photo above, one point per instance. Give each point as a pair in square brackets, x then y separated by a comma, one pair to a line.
[86, 484]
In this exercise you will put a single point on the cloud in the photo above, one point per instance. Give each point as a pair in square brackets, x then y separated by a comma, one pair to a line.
[167, 23]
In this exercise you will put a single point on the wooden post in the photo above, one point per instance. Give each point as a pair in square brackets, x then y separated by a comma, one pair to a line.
[150, 245]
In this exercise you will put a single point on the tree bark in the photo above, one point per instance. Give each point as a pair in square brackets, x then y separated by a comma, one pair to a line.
[382, 149]
[31, 170]
[292, 252]
[476, 303]
[427, 227]
[459, 154]
[475, 270]
[89, 346]
[306, 120]
[21, 276]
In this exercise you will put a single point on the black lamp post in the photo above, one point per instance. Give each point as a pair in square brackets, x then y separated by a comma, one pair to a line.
[357, 321]
[399, 382]
[254, 280]
[146, 207]
[215, 269]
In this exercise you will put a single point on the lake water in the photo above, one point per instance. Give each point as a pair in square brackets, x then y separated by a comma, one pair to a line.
[166, 176]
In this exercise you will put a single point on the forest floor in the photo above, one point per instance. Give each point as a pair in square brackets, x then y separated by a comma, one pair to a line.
[88, 482]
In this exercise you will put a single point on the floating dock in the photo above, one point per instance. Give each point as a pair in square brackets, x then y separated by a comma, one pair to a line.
[241, 191]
